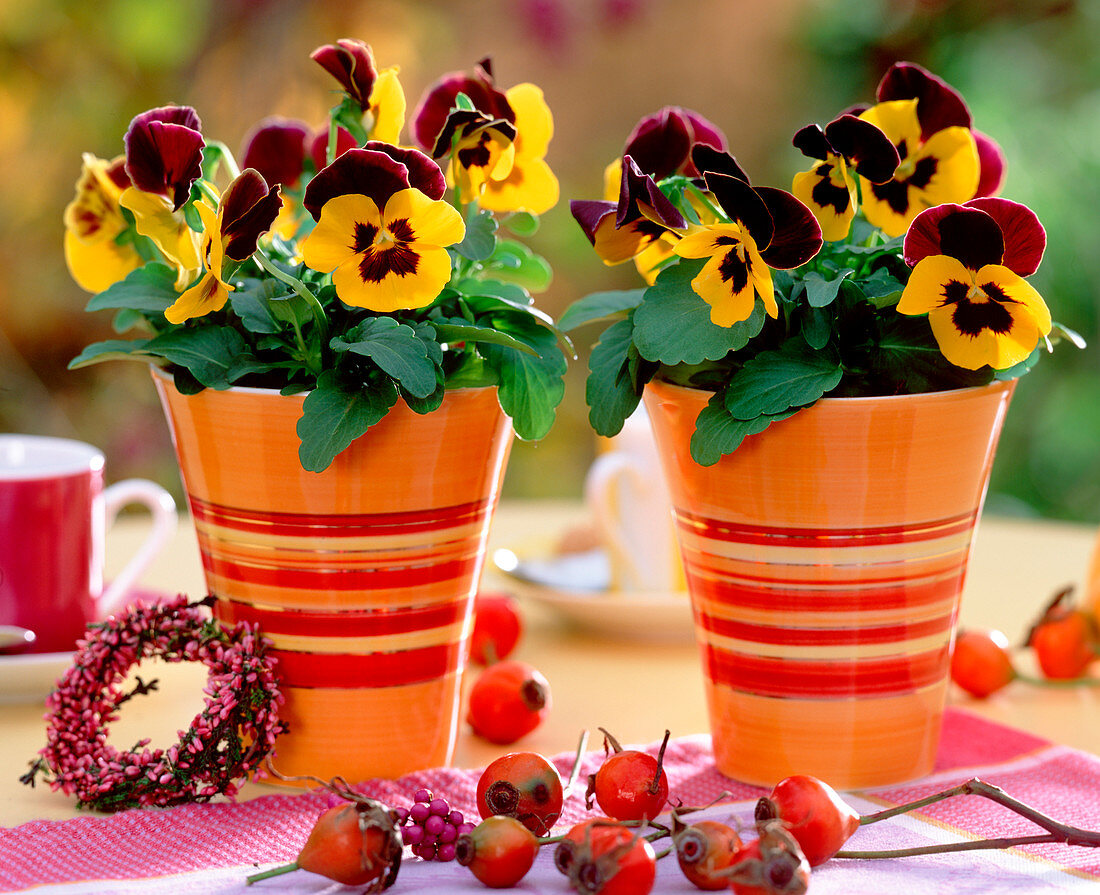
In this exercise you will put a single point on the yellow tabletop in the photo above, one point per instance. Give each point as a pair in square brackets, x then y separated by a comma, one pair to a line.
[634, 688]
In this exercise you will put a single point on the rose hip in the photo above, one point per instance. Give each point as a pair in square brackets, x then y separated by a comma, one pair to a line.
[356, 844]
[630, 784]
[1063, 639]
[497, 627]
[508, 701]
[603, 857]
[522, 785]
[981, 663]
[499, 851]
[704, 850]
[813, 813]
[770, 865]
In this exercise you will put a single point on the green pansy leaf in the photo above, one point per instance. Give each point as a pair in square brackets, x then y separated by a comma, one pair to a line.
[111, 349]
[773, 381]
[908, 359]
[513, 262]
[672, 325]
[821, 292]
[530, 386]
[458, 330]
[522, 223]
[472, 289]
[480, 239]
[208, 352]
[335, 413]
[395, 349]
[817, 327]
[718, 433]
[599, 306]
[471, 372]
[1018, 370]
[291, 309]
[150, 289]
[611, 390]
[251, 301]
[126, 319]
[430, 402]
[185, 383]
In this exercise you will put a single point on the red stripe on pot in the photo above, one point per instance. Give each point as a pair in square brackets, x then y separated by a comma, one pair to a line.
[347, 671]
[874, 597]
[723, 530]
[839, 636]
[337, 524]
[341, 578]
[335, 623]
[825, 680]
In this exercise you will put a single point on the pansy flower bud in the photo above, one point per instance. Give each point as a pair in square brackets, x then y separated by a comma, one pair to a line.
[351, 62]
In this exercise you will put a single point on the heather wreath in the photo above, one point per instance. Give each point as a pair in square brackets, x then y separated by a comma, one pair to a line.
[338, 262]
[890, 267]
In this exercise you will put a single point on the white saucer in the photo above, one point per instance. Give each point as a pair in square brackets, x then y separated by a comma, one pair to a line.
[577, 587]
[30, 677]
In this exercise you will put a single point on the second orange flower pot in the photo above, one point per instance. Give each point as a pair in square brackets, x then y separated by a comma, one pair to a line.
[362, 576]
[825, 558]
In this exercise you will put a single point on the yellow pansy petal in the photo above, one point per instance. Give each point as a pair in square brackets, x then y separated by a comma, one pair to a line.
[957, 167]
[761, 276]
[972, 351]
[612, 180]
[898, 120]
[534, 122]
[834, 224]
[99, 264]
[332, 242]
[702, 243]
[926, 289]
[1019, 291]
[394, 292]
[531, 187]
[205, 297]
[387, 105]
[154, 218]
[650, 260]
[727, 306]
[433, 221]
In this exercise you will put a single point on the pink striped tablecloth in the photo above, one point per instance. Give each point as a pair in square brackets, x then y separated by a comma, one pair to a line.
[212, 848]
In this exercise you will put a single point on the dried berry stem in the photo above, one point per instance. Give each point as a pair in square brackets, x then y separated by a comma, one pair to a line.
[654, 784]
[578, 757]
[1056, 830]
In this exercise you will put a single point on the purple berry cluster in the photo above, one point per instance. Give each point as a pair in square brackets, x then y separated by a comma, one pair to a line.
[430, 827]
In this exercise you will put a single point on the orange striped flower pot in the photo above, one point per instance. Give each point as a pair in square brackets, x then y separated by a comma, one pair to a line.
[825, 558]
[363, 575]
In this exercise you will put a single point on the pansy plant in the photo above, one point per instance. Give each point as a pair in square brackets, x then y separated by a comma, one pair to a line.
[340, 262]
[888, 269]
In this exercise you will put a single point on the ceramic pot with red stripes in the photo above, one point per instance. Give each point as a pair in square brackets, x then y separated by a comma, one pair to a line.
[825, 559]
[362, 576]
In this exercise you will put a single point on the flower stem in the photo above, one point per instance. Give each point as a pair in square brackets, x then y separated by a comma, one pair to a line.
[274, 871]
[974, 845]
[304, 293]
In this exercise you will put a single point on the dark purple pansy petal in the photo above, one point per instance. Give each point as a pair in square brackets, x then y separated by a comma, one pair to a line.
[865, 146]
[742, 203]
[660, 143]
[464, 123]
[351, 62]
[589, 213]
[704, 131]
[164, 152]
[276, 148]
[968, 234]
[707, 159]
[1024, 237]
[116, 173]
[797, 236]
[318, 146]
[424, 174]
[639, 196]
[248, 208]
[811, 142]
[938, 104]
[357, 171]
[438, 100]
[992, 163]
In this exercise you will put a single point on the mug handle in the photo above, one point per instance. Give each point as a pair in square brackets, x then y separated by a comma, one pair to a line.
[600, 486]
[160, 503]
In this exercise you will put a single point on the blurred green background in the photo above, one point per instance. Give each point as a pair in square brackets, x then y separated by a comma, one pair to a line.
[73, 74]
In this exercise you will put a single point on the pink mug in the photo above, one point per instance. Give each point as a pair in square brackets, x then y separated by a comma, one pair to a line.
[54, 514]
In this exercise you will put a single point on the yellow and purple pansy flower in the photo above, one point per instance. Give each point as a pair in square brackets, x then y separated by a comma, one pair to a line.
[246, 210]
[767, 228]
[620, 230]
[481, 148]
[438, 101]
[969, 263]
[661, 144]
[929, 124]
[382, 227]
[93, 223]
[828, 189]
[164, 152]
[530, 186]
